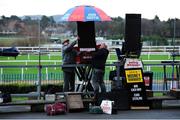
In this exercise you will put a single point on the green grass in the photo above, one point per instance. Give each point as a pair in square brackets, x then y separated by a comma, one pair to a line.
[19, 98]
[158, 94]
[159, 57]
[57, 56]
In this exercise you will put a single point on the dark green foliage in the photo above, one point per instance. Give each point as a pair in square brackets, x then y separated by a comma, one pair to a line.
[26, 88]
[155, 40]
[52, 88]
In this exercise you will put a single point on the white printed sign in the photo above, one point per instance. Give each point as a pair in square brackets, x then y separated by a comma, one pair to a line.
[106, 106]
[133, 63]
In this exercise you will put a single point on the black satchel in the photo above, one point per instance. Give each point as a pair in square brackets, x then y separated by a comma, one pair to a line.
[6, 97]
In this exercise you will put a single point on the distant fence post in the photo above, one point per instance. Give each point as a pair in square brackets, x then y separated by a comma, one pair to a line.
[49, 55]
[28, 56]
[22, 73]
[54, 64]
[149, 68]
[47, 74]
[149, 53]
[26, 64]
[164, 49]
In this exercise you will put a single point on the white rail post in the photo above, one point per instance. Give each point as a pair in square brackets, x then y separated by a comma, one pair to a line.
[28, 56]
[149, 53]
[169, 55]
[26, 64]
[49, 55]
[47, 74]
[22, 73]
[164, 49]
[54, 64]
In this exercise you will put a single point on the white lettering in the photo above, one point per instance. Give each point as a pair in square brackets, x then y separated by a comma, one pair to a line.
[136, 98]
[135, 86]
[135, 89]
[136, 94]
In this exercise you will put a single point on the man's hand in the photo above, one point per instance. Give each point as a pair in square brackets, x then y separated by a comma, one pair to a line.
[78, 38]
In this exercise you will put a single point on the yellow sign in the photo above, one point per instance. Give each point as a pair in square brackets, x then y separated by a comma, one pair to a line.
[133, 76]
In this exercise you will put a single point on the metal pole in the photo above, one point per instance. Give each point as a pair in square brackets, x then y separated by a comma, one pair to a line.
[39, 66]
[118, 70]
[174, 35]
[173, 41]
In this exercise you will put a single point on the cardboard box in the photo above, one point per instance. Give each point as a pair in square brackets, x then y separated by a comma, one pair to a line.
[74, 101]
[50, 97]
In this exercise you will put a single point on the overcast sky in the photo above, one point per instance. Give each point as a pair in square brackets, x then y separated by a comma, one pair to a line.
[148, 8]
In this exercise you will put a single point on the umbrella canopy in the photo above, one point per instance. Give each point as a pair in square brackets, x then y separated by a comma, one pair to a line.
[85, 13]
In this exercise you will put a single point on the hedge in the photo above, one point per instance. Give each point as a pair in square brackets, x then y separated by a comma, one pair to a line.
[26, 88]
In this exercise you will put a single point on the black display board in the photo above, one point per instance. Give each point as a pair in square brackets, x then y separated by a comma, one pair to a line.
[134, 82]
[86, 34]
[86, 42]
[136, 87]
[133, 43]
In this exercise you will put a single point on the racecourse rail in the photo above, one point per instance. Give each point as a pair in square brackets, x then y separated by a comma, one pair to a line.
[158, 80]
[58, 48]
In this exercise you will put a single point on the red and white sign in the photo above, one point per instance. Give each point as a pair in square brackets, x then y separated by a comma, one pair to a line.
[133, 63]
[106, 106]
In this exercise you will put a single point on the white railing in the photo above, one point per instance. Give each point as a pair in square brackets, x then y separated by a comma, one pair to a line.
[58, 48]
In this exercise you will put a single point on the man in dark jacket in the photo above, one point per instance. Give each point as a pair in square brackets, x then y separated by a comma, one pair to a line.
[69, 57]
[98, 65]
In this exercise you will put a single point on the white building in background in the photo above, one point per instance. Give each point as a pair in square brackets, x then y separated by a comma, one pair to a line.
[109, 43]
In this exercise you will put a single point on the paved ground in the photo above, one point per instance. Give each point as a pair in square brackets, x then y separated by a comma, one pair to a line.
[22, 112]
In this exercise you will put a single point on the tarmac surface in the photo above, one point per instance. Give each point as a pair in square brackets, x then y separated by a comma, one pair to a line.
[23, 112]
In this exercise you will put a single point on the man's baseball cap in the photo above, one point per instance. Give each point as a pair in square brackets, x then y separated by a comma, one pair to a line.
[66, 40]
